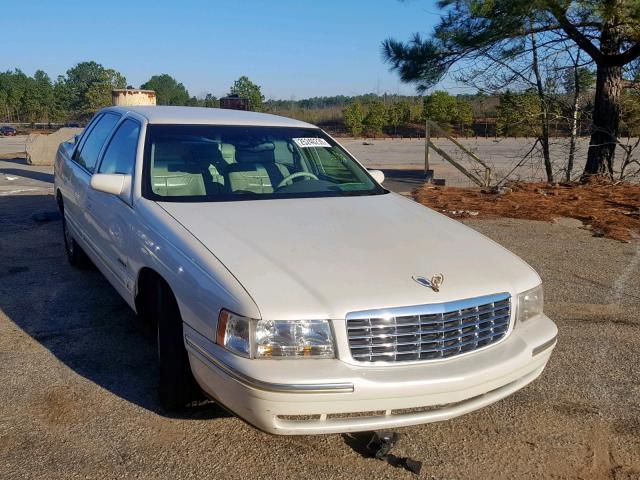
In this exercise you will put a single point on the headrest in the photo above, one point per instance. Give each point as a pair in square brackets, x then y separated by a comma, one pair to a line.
[261, 153]
[261, 147]
[228, 151]
[168, 151]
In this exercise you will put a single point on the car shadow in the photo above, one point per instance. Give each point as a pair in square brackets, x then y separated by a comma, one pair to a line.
[34, 175]
[402, 180]
[16, 160]
[76, 314]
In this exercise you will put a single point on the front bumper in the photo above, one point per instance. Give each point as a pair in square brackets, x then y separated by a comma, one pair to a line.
[330, 396]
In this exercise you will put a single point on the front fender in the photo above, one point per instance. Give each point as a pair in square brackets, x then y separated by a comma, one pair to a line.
[201, 284]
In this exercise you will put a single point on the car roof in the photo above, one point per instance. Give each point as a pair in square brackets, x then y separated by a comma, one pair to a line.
[208, 116]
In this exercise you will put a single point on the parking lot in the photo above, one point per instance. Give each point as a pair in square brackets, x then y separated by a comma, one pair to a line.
[78, 376]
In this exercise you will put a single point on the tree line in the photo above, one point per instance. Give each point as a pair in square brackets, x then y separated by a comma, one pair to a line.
[86, 88]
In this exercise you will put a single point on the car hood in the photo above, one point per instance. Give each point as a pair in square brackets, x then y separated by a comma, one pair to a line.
[325, 257]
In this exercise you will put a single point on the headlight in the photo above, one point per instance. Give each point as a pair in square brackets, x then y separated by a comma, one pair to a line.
[274, 338]
[530, 304]
[294, 338]
[233, 333]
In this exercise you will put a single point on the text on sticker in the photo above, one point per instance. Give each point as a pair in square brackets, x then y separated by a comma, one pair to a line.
[311, 142]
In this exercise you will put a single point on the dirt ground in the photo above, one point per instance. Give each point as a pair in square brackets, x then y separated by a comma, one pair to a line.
[78, 375]
[606, 208]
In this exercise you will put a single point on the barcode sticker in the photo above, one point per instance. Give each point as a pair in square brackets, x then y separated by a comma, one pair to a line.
[311, 142]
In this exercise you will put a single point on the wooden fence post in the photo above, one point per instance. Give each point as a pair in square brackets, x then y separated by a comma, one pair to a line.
[427, 140]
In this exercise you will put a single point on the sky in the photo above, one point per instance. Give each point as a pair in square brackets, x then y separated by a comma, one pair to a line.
[292, 49]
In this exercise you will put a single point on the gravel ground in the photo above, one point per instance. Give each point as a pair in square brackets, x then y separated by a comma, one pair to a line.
[78, 396]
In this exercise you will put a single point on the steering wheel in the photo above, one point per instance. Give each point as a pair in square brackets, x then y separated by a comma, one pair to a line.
[288, 178]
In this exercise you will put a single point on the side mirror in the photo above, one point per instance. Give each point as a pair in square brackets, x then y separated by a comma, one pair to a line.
[76, 138]
[113, 183]
[378, 175]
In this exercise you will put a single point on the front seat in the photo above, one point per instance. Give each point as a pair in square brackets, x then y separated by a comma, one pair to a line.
[256, 170]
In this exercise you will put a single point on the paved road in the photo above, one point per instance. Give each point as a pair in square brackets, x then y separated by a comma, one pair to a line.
[17, 177]
[78, 379]
[502, 155]
[12, 144]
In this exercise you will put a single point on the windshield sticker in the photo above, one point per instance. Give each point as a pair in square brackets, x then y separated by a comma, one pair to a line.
[311, 142]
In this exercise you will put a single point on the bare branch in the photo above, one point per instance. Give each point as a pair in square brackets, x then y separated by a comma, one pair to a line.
[572, 30]
[631, 84]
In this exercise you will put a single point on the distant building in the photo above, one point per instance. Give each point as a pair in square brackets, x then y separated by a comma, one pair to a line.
[234, 102]
[130, 96]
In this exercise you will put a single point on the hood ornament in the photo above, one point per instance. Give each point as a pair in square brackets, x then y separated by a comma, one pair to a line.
[434, 284]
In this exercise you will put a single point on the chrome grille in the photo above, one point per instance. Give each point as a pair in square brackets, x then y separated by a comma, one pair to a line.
[428, 332]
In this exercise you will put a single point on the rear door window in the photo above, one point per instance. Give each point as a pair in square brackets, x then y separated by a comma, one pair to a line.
[87, 155]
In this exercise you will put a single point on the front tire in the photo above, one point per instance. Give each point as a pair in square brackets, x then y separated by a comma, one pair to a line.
[177, 385]
[75, 254]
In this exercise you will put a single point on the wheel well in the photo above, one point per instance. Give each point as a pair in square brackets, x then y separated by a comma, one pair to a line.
[147, 278]
[60, 201]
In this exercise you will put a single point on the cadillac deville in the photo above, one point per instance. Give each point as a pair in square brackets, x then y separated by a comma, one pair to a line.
[286, 282]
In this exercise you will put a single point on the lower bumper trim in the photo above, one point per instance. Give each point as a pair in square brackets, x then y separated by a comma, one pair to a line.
[325, 425]
[266, 386]
[544, 346]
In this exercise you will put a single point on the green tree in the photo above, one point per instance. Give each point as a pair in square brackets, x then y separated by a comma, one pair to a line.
[464, 114]
[519, 115]
[447, 110]
[440, 107]
[630, 113]
[417, 112]
[89, 87]
[30, 108]
[14, 85]
[586, 79]
[245, 88]
[376, 117]
[354, 118]
[97, 96]
[43, 92]
[606, 30]
[398, 113]
[168, 90]
[62, 100]
[210, 101]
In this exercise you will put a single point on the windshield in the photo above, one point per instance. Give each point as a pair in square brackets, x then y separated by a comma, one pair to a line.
[225, 163]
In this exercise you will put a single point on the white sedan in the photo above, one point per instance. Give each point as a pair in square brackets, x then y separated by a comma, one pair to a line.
[286, 282]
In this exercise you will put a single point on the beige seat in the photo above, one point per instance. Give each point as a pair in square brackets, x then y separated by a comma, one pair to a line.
[256, 170]
[183, 169]
[228, 152]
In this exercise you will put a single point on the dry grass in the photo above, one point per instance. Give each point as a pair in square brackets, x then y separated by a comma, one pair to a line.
[608, 209]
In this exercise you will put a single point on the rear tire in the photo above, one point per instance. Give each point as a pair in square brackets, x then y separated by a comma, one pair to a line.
[177, 385]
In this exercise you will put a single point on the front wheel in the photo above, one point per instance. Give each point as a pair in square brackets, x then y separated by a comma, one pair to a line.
[177, 385]
[75, 254]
